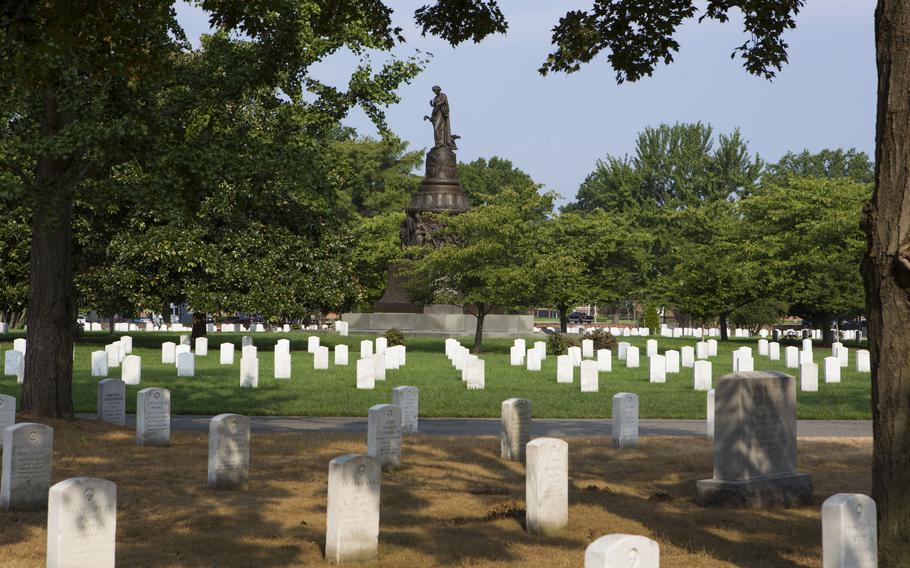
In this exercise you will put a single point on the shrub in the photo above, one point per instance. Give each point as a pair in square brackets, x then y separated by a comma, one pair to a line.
[652, 319]
[602, 339]
[394, 337]
[558, 344]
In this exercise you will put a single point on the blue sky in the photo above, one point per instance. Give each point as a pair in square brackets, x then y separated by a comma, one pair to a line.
[556, 127]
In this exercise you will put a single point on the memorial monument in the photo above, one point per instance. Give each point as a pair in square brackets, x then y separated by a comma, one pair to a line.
[440, 193]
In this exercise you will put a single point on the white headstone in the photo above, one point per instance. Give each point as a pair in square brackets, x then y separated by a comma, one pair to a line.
[702, 375]
[541, 347]
[476, 373]
[185, 340]
[516, 429]
[249, 372]
[565, 370]
[99, 364]
[408, 399]
[533, 360]
[632, 357]
[843, 354]
[604, 360]
[226, 354]
[862, 361]
[808, 377]
[587, 348]
[712, 348]
[281, 363]
[366, 349]
[671, 358]
[651, 347]
[127, 343]
[849, 532]
[202, 346]
[113, 354]
[657, 369]
[384, 434]
[791, 357]
[153, 417]
[312, 343]
[229, 451]
[547, 486]
[352, 515]
[82, 523]
[131, 371]
[687, 356]
[710, 421]
[246, 340]
[575, 356]
[111, 403]
[625, 420]
[807, 345]
[186, 364]
[13, 361]
[774, 351]
[589, 375]
[7, 414]
[19, 345]
[341, 355]
[621, 348]
[180, 349]
[378, 366]
[28, 451]
[366, 378]
[832, 369]
[763, 347]
[381, 345]
[169, 352]
[622, 551]
[701, 350]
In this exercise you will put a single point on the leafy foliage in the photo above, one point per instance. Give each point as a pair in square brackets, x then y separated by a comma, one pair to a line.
[559, 343]
[652, 319]
[395, 337]
[602, 339]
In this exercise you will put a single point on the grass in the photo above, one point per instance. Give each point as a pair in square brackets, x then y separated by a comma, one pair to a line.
[215, 388]
[453, 503]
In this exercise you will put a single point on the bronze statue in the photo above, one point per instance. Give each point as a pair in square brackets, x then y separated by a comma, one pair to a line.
[442, 130]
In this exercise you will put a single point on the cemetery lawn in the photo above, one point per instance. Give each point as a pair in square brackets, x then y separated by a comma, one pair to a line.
[215, 388]
[453, 503]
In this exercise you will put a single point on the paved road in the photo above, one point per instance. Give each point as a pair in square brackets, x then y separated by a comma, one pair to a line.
[491, 426]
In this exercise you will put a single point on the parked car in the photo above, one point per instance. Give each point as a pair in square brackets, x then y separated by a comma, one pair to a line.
[579, 317]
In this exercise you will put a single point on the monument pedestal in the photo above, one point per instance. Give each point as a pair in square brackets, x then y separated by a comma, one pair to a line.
[786, 490]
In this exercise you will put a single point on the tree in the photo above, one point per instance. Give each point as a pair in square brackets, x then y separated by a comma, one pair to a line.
[492, 266]
[592, 257]
[810, 244]
[81, 82]
[638, 36]
[838, 163]
[482, 179]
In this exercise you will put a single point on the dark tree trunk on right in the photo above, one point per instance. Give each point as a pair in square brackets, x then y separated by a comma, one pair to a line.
[563, 318]
[886, 272]
[724, 336]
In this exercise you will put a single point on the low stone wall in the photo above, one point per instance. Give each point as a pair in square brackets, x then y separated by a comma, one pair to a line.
[443, 324]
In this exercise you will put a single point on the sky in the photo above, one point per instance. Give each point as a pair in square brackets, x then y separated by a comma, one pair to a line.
[555, 128]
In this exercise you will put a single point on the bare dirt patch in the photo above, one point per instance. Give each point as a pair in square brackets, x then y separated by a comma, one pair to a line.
[453, 503]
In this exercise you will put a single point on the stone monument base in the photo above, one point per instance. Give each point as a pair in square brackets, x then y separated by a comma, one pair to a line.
[786, 490]
[495, 325]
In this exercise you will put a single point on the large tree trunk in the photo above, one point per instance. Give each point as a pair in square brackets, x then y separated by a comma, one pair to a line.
[886, 271]
[825, 321]
[478, 331]
[47, 388]
[563, 318]
[199, 326]
[724, 336]
[614, 315]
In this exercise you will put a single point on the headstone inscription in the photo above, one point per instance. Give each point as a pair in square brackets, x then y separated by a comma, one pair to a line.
[408, 399]
[849, 532]
[229, 452]
[111, 403]
[547, 486]
[384, 435]
[153, 417]
[352, 515]
[755, 443]
[82, 523]
[622, 551]
[516, 429]
[28, 450]
[625, 420]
